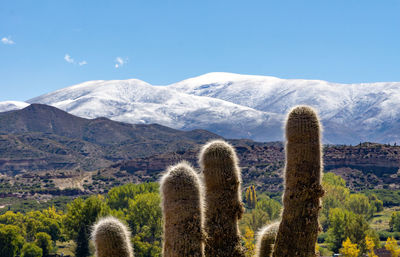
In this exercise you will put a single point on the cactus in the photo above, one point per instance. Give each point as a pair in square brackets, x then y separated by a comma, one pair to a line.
[266, 239]
[299, 227]
[182, 206]
[224, 207]
[182, 212]
[111, 238]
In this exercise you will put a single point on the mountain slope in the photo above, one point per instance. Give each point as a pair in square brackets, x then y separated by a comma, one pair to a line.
[44, 137]
[240, 106]
[350, 112]
[137, 102]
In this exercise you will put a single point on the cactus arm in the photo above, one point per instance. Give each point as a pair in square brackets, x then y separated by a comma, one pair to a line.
[111, 238]
[299, 227]
[224, 207]
[266, 240]
[182, 212]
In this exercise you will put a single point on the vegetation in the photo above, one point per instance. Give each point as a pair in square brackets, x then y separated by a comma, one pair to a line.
[39, 231]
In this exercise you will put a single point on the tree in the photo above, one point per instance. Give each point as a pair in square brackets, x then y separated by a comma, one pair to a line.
[83, 213]
[11, 240]
[43, 240]
[82, 243]
[255, 219]
[370, 246]
[349, 249]
[248, 239]
[270, 206]
[251, 197]
[31, 250]
[346, 224]
[336, 195]
[394, 222]
[392, 246]
[359, 204]
[145, 221]
[118, 197]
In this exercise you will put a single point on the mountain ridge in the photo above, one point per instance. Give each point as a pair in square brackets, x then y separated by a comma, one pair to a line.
[240, 106]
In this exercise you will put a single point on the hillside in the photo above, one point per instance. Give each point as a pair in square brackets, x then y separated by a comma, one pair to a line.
[40, 139]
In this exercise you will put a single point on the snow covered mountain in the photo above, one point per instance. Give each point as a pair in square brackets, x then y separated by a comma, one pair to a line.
[240, 106]
[12, 105]
[350, 113]
[135, 101]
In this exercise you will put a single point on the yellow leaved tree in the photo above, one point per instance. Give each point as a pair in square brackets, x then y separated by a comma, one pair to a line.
[370, 246]
[249, 242]
[392, 246]
[349, 249]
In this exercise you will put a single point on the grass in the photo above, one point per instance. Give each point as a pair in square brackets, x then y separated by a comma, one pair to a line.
[66, 248]
[380, 221]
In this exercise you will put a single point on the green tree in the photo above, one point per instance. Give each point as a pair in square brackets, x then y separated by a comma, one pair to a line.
[335, 196]
[11, 240]
[118, 197]
[332, 179]
[394, 222]
[376, 202]
[144, 217]
[270, 206]
[83, 213]
[346, 224]
[43, 240]
[359, 204]
[254, 219]
[82, 243]
[31, 250]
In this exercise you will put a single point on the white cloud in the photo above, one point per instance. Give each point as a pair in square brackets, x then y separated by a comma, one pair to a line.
[120, 62]
[7, 41]
[82, 63]
[68, 58]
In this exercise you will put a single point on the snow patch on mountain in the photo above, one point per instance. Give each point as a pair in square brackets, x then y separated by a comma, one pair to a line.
[12, 105]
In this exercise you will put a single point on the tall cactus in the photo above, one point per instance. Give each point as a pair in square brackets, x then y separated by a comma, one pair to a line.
[111, 238]
[266, 240]
[224, 207]
[299, 227]
[182, 212]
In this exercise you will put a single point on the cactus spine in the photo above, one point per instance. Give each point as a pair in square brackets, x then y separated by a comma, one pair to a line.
[222, 198]
[266, 239]
[182, 212]
[299, 227]
[111, 238]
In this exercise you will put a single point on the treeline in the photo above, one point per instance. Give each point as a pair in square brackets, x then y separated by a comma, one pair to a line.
[344, 217]
[344, 220]
[35, 233]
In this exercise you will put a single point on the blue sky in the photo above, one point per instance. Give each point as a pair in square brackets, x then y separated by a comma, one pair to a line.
[47, 45]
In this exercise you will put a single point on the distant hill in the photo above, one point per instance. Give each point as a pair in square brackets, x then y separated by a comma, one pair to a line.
[44, 138]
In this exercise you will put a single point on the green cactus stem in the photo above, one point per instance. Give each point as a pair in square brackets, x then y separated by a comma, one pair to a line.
[266, 240]
[299, 227]
[182, 212]
[111, 238]
[224, 207]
